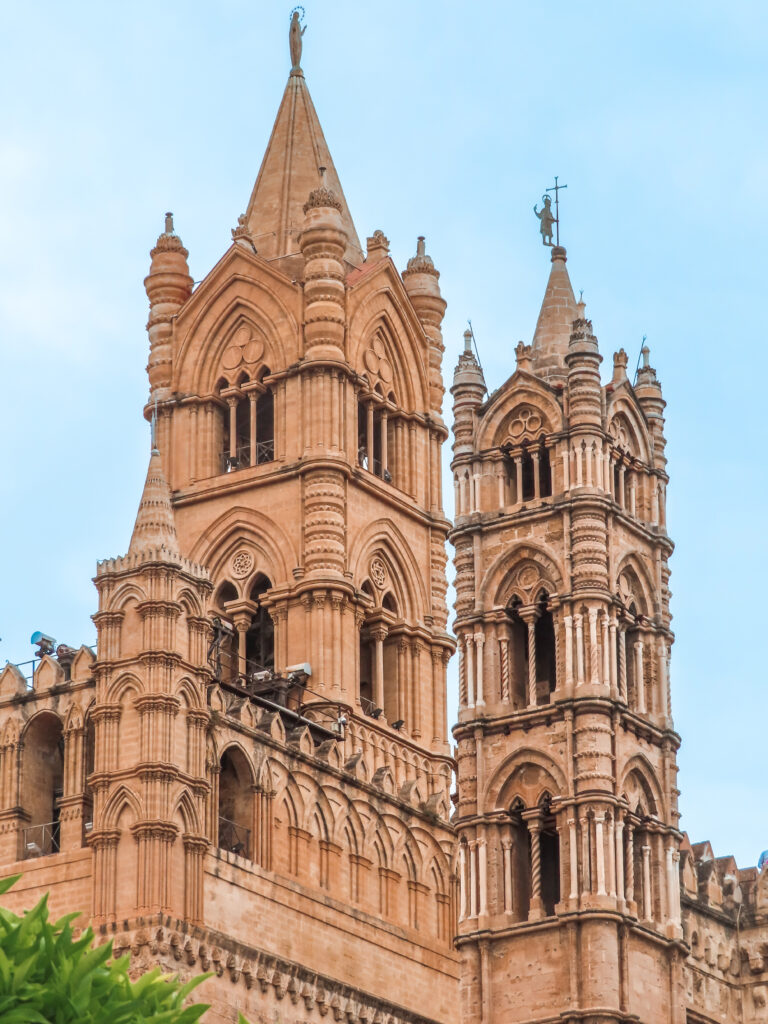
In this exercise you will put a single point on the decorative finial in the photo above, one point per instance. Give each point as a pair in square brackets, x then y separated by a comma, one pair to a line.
[421, 263]
[548, 218]
[169, 223]
[295, 32]
[468, 341]
[646, 354]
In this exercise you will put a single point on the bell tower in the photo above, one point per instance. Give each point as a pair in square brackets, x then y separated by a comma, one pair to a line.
[271, 763]
[567, 816]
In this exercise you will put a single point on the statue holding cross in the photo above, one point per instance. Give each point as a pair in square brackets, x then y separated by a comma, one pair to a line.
[547, 217]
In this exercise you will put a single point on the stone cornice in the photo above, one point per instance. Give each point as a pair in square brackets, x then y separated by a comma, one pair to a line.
[152, 940]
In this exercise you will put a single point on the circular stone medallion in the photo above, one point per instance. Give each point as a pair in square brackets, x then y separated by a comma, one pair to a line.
[242, 564]
[378, 572]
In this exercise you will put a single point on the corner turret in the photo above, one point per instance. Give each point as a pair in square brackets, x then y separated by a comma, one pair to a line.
[648, 393]
[168, 287]
[322, 240]
[468, 390]
[421, 282]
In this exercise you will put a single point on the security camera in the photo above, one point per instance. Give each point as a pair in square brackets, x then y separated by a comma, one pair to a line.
[305, 669]
[45, 644]
[262, 677]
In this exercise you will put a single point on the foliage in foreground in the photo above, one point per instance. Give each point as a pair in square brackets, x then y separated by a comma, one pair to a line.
[49, 977]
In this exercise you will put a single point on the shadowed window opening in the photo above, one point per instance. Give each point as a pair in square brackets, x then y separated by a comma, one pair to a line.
[235, 804]
[544, 630]
[42, 785]
[550, 860]
[528, 478]
[260, 638]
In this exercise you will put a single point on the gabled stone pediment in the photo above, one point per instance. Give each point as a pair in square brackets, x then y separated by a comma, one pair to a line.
[48, 673]
[12, 681]
[82, 664]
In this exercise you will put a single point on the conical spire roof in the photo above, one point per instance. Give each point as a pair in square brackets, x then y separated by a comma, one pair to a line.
[553, 328]
[289, 171]
[155, 527]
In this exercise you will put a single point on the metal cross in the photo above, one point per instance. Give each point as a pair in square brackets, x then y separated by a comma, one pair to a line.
[556, 189]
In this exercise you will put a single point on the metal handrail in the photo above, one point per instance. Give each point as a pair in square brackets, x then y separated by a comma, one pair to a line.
[41, 840]
[234, 838]
[265, 452]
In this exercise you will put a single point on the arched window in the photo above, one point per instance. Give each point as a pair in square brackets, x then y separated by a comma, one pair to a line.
[260, 638]
[520, 863]
[383, 659]
[376, 437]
[529, 471]
[89, 766]
[635, 668]
[642, 864]
[518, 656]
[533, 869]
[545, 471]
[264, 435]
[528, 478]
[546, 655]
[549, 842]
[42, 784]
[235, 804]
[247, 423]
[519, 652]
[235, 452]
[222, 650]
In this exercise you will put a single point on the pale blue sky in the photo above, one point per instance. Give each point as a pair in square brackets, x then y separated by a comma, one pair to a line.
[444, 119]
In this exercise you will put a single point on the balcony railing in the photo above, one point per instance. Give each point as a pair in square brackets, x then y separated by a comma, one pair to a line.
[234, 838]
[41, 840]
[265, 452]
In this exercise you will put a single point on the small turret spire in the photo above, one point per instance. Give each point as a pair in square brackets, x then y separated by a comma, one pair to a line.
[155, 527]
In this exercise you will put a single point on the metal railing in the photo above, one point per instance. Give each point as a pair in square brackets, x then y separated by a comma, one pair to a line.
[234, 838]
[41, 840]
[265, 452]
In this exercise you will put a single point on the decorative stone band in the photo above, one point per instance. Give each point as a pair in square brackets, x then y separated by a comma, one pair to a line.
[126, 563]
[421, 265]
[169, 243]
[153, 942]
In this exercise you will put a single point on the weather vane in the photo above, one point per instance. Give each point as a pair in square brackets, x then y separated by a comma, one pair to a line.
[546, 217]
[295, 32]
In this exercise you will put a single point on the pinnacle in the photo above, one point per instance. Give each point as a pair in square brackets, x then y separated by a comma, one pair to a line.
[553, 328]
[289, 173]
[155, 527]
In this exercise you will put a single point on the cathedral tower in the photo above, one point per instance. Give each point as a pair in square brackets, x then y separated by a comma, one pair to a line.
[567, 818]
[253, 776]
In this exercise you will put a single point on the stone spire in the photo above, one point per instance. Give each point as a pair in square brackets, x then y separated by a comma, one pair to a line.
[553, 328]
[289, 171]
[155, 527]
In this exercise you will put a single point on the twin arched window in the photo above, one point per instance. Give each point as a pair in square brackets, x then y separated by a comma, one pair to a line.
[248, 424]
[245, 644]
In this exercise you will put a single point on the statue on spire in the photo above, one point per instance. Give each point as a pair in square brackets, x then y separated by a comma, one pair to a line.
[547, 218]
[295, 32]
